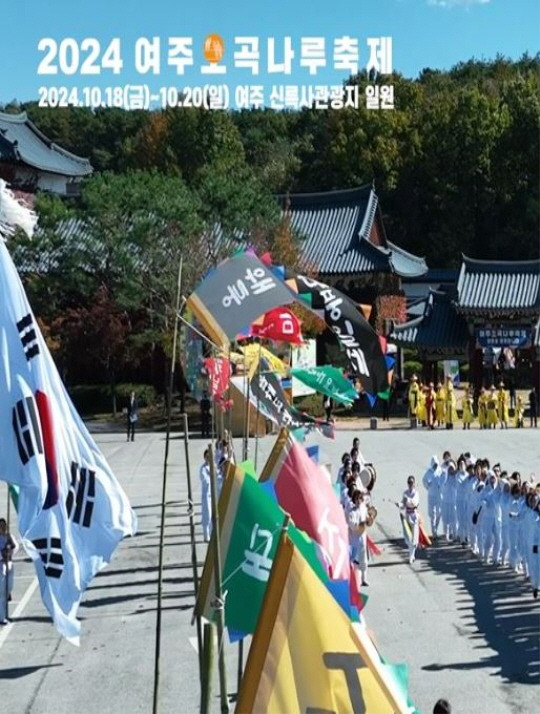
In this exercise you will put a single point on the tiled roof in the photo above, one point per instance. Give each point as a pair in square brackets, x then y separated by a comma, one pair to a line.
[21, 141]
[499, 287]
[334, 227]
[438, 328]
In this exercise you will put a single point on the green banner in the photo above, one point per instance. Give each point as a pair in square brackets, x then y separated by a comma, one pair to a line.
[255, 534]
[327, 380]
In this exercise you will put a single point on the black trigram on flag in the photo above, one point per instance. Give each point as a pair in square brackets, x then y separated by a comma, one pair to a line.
[82, 495]
[28, 336]
[27, 430]
[50, 550]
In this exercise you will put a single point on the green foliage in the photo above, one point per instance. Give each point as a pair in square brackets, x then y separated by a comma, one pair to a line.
[97, 399]
[411, 367]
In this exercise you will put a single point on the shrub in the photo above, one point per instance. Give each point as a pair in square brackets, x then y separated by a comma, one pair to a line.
[412, 367]
[96, 398]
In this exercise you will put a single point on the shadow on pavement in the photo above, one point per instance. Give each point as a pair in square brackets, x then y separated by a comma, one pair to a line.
[503, 611]
[18, 672]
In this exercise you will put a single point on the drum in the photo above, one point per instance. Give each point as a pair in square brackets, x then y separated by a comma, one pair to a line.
[373, 477]
[365, 476]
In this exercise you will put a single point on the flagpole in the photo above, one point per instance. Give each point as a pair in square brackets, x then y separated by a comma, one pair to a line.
[193, 542]
[163, 497]
[218, 600]
[6, 581]
[258, 404]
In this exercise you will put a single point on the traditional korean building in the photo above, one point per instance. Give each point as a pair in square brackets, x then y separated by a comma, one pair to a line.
[343, 241]
[30, 162]
[491, 317]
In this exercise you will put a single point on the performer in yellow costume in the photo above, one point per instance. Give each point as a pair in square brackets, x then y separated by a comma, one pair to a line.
[414, 390]
[421, 412]
[467, 407]
[482, 409]
[502, 406]
[439, 404]
[491, 409]
[450, 404]
[519, 413]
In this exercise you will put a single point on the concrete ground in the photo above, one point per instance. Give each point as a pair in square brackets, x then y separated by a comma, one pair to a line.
[468, 632]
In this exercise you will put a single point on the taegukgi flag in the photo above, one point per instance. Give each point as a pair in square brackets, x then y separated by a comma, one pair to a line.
[72, 512]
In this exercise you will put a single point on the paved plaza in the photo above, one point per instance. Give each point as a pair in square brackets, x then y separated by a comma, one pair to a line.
[469, 632]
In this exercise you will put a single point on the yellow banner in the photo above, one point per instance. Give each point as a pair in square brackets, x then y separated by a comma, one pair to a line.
[307, 655]
[252, 356]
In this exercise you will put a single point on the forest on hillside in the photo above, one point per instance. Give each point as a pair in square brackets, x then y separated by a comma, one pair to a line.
[455, 164]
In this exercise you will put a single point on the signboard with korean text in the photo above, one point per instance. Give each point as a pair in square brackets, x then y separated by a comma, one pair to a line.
[517, 336]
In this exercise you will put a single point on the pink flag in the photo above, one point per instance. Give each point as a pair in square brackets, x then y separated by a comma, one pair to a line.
[304, 491]
[219, 372]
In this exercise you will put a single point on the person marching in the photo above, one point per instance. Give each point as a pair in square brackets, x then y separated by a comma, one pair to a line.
[467, 407]
[491, 410]
[430, 406]
[409, 505]
[502, 406]
[449, 498]
[413, 399]
[357, 520]
[482, 409]
[519, 413]
[432, 483]
[439, 404]
[421, 412]
[206, 497]
[8, 548]
[450, 404]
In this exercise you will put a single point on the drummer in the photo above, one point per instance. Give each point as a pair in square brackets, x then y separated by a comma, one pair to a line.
[357, 520]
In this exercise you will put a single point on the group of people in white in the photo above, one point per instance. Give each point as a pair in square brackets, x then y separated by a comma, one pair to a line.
[223, 452]
[355, 498]
[482, 506]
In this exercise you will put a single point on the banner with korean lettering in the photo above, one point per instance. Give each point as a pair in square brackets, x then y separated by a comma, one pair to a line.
[328, 380]
[234, 295]
[355, 334]
[269, 397]
[219, 373]
[250, 523]
[304, 490]
[307, 656]
[517, 336]
[280, 325]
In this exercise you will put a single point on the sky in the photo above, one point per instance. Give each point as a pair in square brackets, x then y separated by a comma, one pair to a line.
[425, 33]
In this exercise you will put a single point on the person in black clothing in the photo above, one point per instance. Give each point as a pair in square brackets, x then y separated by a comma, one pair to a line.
[328, 406]
[205, 405]
[533, 407]
[132, 416]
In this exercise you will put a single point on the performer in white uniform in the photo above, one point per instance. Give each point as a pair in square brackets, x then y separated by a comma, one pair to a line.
[206, 497]
[449, 497]
[357, 534]
[409, 505]
[432, 484]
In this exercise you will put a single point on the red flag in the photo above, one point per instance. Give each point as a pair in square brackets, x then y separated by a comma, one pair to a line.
[304, 490]
[219, 373]
[279, 324]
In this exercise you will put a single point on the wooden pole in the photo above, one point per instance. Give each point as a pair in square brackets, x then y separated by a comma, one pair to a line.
[258, 403]
[218, 599]
[208, 664]
[155, 702]
[193, 543]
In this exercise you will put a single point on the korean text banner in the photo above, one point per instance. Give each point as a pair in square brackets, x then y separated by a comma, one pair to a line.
[353, 331]
[235, 294]
[327, 380]
[270, 398]
[307, 656]
[250, 523]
